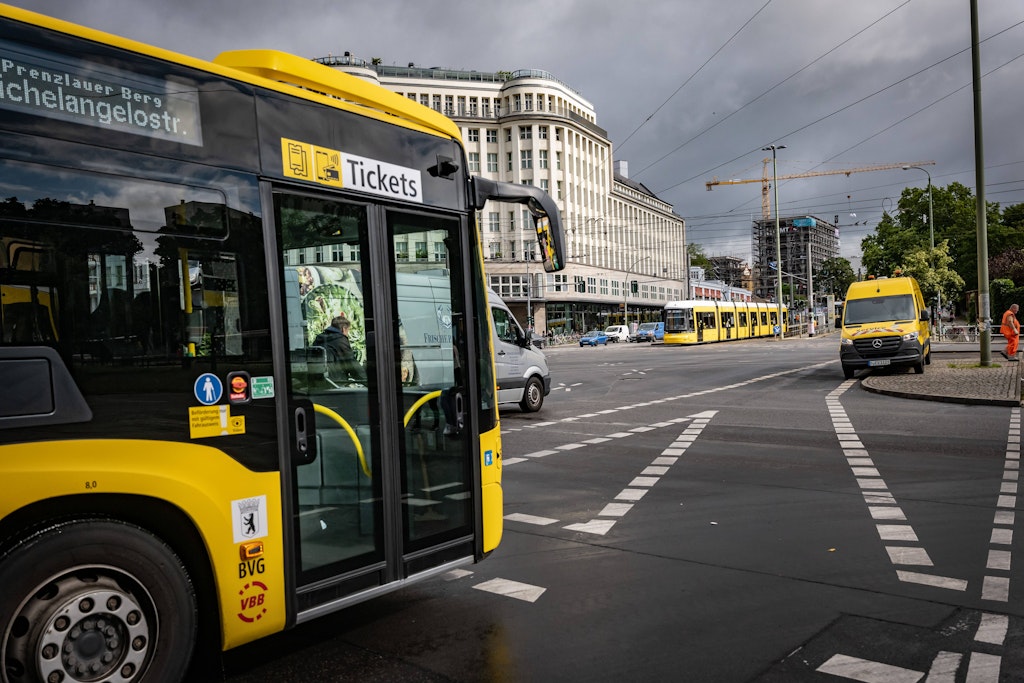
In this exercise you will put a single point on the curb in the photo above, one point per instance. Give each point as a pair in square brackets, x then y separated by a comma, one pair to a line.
[866, 385]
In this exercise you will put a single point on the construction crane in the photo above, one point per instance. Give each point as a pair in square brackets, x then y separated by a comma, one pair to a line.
[766, 178]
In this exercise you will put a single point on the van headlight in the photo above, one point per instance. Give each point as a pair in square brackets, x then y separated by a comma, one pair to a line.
[910, 336]
[845, 342]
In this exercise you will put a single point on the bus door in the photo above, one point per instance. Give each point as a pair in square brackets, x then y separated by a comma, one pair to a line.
[373, 308]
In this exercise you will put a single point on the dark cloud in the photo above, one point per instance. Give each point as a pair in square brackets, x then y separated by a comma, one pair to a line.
[850, 109]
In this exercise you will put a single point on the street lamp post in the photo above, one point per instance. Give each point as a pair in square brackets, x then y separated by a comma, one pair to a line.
[625, 291]
[778, 234]
[931, 233]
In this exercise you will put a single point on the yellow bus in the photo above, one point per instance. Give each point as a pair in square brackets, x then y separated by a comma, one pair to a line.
[702, 321]
[246, 351]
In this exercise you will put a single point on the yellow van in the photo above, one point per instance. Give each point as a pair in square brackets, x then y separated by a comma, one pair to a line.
[885, 322]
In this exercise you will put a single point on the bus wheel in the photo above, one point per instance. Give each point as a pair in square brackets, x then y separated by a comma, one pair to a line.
[92, 600]
[848, 372]
[533, 396]
[919, 368]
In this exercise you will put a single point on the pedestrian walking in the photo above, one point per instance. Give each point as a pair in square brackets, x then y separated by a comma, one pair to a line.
[1010, 329]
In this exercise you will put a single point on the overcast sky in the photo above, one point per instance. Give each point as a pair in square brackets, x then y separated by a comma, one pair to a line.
[688, 89]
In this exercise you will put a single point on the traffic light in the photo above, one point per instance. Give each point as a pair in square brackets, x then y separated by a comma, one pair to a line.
[634, 286]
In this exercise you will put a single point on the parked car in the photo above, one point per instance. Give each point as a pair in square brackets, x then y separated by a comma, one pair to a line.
[617, 333]
[650, 332]
[593, 338]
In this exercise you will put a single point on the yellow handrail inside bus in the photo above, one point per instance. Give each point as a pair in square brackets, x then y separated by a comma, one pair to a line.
[416, 406]
[324, 410]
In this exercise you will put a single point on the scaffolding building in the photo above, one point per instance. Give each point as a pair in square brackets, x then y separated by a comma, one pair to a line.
[803, 240]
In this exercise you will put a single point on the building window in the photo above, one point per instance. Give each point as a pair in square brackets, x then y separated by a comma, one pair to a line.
[558, 160]
[526, 158]
[474, 162]
[526, 133]
[528, 101]
[542, 132]
[494, 249]
[421, 251]
[492, 135]
[462, 105]
[508, 158]
[493, 222]
[402, 251]
[437, 102]
[542, 158]
[473, 135]
[492, 162]
[511, 220]
[449, 105]
[591, 285]
[544, 185]
[558, 134]
[508, 135]
[474, 106]
[425, 99]
[440, 252]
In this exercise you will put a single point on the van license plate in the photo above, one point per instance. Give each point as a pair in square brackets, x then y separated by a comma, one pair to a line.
[878, 363]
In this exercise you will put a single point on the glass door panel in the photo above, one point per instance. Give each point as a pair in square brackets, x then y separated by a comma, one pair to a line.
[329, 316]
[434, 397]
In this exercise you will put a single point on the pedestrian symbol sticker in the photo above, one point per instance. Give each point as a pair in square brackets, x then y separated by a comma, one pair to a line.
[208, 389]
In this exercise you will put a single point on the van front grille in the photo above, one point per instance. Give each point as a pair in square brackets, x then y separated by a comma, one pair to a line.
[877, 346]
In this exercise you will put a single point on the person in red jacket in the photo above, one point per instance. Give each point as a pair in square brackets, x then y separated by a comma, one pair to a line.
[1010, 329]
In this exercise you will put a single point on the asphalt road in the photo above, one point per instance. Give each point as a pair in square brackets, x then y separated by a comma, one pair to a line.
[732, 512]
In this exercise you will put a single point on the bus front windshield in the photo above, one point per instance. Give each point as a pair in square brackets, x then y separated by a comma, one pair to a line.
[879, 309]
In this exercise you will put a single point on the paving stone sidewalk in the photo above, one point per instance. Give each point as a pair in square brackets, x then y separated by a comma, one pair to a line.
[954, 376]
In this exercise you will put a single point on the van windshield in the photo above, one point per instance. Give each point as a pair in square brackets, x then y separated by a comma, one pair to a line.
[879, 309]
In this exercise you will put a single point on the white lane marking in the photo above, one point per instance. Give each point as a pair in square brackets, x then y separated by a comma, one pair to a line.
[865, 670]
[996, 585]
[881, 503]
[511, 461]
[932, 580]
[909, 556]
[995, 588]
[983, 668]
[539, 454]
[649, 476]
[615, 509]
[598, 527]
[570, 446]
[512, 589]
[529, 519]
[596, 440]
[456, 574]
[992, 629]
[944, 667]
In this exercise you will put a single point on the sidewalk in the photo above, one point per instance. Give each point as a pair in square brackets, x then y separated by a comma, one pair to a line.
[954, 376]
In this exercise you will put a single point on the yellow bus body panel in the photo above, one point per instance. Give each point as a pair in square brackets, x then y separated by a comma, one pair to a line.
[200, 481]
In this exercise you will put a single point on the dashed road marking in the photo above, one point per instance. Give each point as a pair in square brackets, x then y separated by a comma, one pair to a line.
[857, 669]
[512, 589]
[900, 540]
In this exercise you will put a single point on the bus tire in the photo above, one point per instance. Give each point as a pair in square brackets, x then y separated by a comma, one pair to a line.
[533, 396]
[848, 372]
[919, 368]
[89, 599]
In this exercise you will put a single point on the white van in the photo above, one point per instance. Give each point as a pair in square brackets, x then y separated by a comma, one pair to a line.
[522, 369]
[617, 333]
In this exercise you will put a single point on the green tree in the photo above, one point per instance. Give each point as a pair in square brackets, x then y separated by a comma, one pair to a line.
[834, 277]
[954, 209]
[697, 257]
[932, 268]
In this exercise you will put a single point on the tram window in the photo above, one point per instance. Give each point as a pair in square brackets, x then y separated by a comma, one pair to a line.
[707, 320]
[775, 318]
[764, 318]
[743, 318]
[728, 319]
